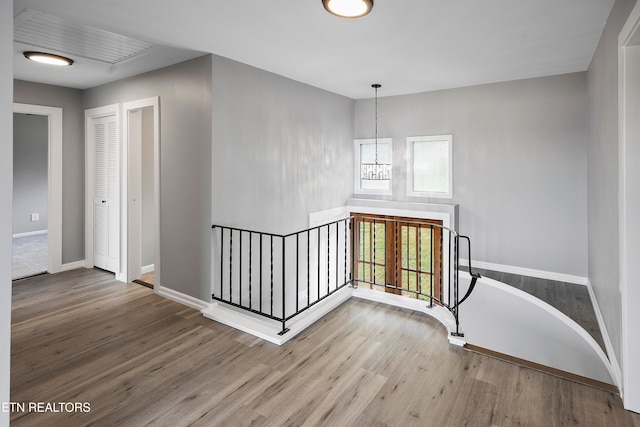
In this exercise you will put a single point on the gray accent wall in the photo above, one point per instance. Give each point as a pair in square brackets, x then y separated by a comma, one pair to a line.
[70, 100]
[520, 164]
[185, 166]
[30, 172]
[281, 149]
[603, 179]
[6, 190]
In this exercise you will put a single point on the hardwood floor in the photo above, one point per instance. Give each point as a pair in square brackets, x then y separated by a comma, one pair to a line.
[139, 359]
[147, 278]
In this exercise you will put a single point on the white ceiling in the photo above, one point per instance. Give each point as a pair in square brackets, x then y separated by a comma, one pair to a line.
[408, 46]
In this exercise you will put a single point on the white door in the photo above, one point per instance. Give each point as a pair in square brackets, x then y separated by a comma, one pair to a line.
[106, 195]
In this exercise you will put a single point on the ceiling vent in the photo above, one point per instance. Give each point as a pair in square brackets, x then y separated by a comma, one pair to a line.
[50, 32]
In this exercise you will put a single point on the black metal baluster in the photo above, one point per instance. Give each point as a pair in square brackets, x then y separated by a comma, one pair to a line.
[250, 267]
[432, 244]
[408, 284]
[373, 244]
[318, 294]
[337, 254]
[418, 258]
[396, 225]
[442, 269]
[271, 310]
[284, 312]
[221, 262]
[355, 234]
[455, 283]
[308, 267]
[297, 270]
[345, 251]
[328, 256]
[260, 282]
[240, 272]
[230, 265]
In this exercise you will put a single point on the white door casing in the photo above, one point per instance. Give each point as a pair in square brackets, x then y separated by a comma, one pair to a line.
[54, 114]
[629, 203]
[131, 212]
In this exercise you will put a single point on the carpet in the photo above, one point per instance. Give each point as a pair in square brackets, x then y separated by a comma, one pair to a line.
[29, 256]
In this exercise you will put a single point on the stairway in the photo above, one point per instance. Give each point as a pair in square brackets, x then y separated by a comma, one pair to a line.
[507, 320]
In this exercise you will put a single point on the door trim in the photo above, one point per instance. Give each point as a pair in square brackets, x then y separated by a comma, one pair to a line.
[131, 229]
[628, 379]
[89, 115]
[54, 114]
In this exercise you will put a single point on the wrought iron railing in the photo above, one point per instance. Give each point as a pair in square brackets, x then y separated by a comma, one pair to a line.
[281, 276]
[404, 256]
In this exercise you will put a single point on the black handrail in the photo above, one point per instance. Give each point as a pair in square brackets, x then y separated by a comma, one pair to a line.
[307, 295]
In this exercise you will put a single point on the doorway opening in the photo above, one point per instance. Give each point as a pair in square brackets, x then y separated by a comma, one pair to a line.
[37, 190]
[30, 195]
[142, 164]
[131, 212]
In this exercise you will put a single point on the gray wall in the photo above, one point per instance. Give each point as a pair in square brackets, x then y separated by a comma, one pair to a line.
[281, 149]
[70, 100]
[520, 164]
[604, 256]
[185, 170]
[30, 172]
[6, 190]
[148, 199]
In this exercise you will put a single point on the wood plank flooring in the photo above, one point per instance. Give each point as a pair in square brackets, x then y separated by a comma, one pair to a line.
[139, 359]
[148, 278]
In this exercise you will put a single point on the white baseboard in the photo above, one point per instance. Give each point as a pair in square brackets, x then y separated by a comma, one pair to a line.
[72, 265]
[148, 268]
[540, 274]
[183, 299]
[30, 233]
[268, 329]
[615, 366]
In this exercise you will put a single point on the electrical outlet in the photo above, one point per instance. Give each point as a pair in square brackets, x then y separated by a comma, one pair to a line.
[35, 217]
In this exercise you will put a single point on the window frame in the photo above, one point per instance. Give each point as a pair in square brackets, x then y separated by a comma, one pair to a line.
[357, 188]
[393, 265]
[411, 162]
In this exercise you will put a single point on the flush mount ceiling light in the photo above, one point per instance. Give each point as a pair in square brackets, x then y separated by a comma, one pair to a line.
[48, 58]
[348, 8]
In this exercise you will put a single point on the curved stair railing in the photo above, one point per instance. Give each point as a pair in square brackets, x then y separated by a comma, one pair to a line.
[280, 276]
[443, 261]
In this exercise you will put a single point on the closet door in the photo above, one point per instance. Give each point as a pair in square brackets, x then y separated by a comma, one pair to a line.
[106, 213]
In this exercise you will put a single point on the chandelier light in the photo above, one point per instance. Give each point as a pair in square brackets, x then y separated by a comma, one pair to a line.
[348, 8]
[376, 171]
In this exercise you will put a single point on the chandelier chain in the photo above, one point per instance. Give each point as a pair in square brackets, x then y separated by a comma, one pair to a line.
[376, 88]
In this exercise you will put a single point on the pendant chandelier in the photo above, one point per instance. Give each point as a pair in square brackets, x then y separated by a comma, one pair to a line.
[376, 171]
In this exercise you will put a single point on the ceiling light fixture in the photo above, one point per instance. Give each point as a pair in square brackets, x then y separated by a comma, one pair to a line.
[48, 58]
[348, 8]
[376, 171]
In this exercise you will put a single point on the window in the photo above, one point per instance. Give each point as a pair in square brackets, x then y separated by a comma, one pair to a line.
[430, 168]
[365, 152]
[399, 255]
